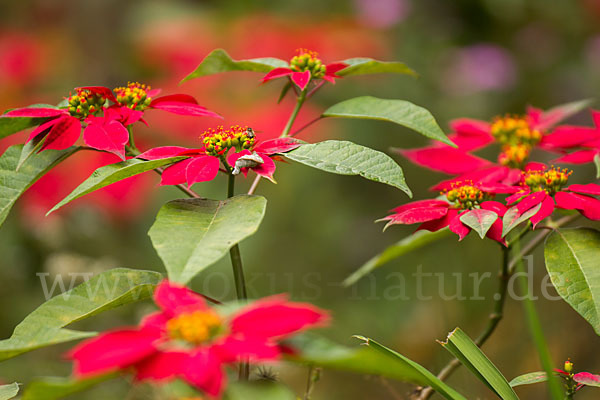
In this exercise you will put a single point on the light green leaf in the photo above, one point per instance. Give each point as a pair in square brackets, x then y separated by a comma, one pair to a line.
[11, 125]
[530, 378]
[400, 112]
[572, 262]
[479, 220]
[8, 392]
[58, 388]
[13, 184]
[373, 359]
[467, 352]
[404, 246]
[219, 61]
[258, 390]
[112, 173]
[597, 164]
[568, 109]
[347, 158]
[189, 235]
[512, 219]
[364, 66]
[46, 325]
[587, 379]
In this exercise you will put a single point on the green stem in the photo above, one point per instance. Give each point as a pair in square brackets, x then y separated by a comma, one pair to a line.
[131, 141]
[299, 102]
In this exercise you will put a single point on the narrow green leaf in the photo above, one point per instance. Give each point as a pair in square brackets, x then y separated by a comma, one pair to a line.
[404, 246]
[568, 109]
[46, 325]
[8, 392]
[479, 220]
[57, 388]
[347, 158]
[11, 125]
[512, 219]
[530, 378]
[29, 149]
[13, 184]
[572, 262]
[112, 173]
[372, 359]
[364, 66]
[286, 88]
[189, 235]
[597, 164]
[467, 352]
[258, 390]
[400, 112]
[219, 61]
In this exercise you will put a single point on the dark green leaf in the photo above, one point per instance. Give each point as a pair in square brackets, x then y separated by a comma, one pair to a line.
[8, 392]
[479, 220]
[189, 235]
[219, 61]
[112, 173]
[363, 66]
[258, 390]
[11, 125]
[572, 262]
[404, 246]
[400, 112]
[347, 158]
[46, 325]
[512, 219]
[528, 379]
[58, 388]
[13, 184]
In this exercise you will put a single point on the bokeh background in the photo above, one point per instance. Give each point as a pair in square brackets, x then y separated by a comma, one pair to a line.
[476, 58]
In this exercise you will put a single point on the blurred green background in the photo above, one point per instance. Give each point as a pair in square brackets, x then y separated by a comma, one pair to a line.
[475, 59]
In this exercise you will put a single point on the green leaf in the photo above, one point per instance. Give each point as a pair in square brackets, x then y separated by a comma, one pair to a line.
[58, 388]
[587, 378]
[10, 125]
[404, 246]
[189, 235]
[219, 61]
[29, 149]
[512, 219]
[572, 262]
[569, 109]
[372, 359]
[528, 379]
[46, 325]
[9, 391]
[112, 173]
[258, 390]
[13, 184]
[364, 66]
[400, 112]
[479, 220]
[597, 164]
[347, 158]
[467, 352]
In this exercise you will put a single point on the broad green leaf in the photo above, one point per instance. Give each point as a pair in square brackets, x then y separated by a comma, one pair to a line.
[11, 125]
[566, 110]
[46, 325]
[189, 235]
[467, 352]
[400, 112]
[112, 173]
[258, 390]
[347, 158]
[528, 379]
[219, 61]
[572, 262]
[14, 183]
[479, 220]
[364, 66]
[9, 391]
[372, 359]
[512, 219]
[29, 149]
[597, 164]
[58, 388]
[404, 246]
[587, 378]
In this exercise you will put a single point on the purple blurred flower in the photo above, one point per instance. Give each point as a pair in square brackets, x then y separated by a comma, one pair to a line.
[382, 13]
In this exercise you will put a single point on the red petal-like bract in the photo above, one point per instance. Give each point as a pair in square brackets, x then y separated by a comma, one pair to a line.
[333, 68]
[445, 159]
[107, 135]
[587, 378]
[174, 299]
[277, 73]
[590, 188]
[63, 134]
[578, 157]
[280, 145]
[301, 79]
[416, 215]
[175, 174]
[35, 112]
[545, 211]
[101, 91]
[567, 136]
[158, 153]
[205, 372]
[202, 169]
[182, 104]
[471, 134]
[256, 349]
[458, 227]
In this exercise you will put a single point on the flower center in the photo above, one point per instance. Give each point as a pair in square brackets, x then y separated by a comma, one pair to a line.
[84, 103]
[219, 141]
[466, 196]
[550, 181]
[514, 156]
[514, 130]
[196, 327]
[307, 60]
[134, 96]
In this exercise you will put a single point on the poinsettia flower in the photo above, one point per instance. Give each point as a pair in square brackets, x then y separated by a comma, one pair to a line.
[465, 198]
[189, 340]
[576, 381]
[566, 137]
[547, 189]
[203, 164]
[304, 67]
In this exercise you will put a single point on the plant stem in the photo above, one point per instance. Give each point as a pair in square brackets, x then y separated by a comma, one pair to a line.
[314, 374]
[131, 141]
[299, 102]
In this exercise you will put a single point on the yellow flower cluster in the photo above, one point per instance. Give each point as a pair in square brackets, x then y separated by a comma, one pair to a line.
[218, 141]
[196, 327]
[307, 60]
[134, 96]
